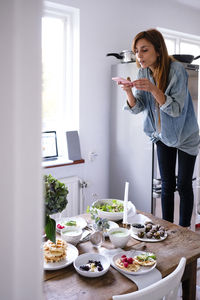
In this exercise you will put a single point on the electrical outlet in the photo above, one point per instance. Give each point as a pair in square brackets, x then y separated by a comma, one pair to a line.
[92, 155]
[84, 184]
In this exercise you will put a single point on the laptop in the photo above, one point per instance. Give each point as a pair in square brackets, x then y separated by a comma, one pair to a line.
[49, 145]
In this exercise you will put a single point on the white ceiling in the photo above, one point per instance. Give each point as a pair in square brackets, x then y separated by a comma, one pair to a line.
[191, 3]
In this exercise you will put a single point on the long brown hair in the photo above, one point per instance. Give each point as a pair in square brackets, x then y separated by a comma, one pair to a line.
[161, 71]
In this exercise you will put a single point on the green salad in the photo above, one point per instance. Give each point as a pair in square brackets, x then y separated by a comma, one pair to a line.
[70, 223]
[146, 256]
[114, 206]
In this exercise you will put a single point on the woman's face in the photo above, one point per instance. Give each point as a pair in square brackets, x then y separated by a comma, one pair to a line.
[146, 54]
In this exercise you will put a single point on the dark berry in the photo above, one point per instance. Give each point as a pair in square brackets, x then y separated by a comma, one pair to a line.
[84, 268]
[91, 261]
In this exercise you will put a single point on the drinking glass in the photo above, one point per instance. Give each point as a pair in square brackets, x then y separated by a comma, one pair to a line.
[96, 239]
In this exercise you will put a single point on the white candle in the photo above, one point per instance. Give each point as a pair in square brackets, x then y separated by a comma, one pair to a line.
[125, 214]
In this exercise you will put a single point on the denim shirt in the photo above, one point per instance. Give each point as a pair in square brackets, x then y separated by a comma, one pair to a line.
[179, 127]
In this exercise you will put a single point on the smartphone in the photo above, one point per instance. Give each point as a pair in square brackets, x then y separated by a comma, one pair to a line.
[120, 79]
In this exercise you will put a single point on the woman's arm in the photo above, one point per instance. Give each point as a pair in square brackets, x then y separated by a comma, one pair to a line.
[128, 89]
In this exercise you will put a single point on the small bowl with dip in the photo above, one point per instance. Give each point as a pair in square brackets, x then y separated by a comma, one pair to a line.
[71, 234]
[137, 227]
[119, 236]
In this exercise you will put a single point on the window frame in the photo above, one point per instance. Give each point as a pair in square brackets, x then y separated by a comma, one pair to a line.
[69, 112]
[179, 37]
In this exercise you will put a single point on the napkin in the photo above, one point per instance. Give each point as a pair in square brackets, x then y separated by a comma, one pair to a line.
[133, 217]
[141, 281]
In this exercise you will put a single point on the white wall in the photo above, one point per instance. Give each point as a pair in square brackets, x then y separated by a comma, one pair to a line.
[20, 119]
[109, 26]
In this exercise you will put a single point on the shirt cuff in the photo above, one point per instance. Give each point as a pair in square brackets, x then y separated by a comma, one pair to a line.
[127, 106]
[167, 103]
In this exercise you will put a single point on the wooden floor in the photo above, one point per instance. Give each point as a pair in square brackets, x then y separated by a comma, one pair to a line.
[158, 213]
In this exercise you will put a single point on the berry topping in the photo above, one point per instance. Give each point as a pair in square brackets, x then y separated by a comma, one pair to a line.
[130, 260]
[59, 226]
[85, 268]
[126, 264]
[124, 259]
[92, 266]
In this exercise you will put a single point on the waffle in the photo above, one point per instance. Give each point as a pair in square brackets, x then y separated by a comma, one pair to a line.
[54, 252]
[134, 267]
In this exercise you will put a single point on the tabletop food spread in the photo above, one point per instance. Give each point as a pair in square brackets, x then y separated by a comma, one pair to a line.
[140, 258]
[63, 254]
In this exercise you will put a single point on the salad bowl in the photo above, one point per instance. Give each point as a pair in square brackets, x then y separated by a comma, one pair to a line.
[111, 209]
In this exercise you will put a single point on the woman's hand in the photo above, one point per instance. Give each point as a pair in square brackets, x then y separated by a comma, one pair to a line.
[144, 84]
[127, 87]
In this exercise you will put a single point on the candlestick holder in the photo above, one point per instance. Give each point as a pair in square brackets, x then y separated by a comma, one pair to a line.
[125, 225]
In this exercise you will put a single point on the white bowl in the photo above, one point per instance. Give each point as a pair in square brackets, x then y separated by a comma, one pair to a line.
[137, 227]
[112, 216]
[83, 260]
[71, 234]
[111, 226]
[119, 236]
[79, 221]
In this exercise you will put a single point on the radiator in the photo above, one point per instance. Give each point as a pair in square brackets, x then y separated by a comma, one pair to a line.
[74, 197]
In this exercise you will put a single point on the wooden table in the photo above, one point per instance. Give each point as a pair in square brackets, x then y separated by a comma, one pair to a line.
[68, 284]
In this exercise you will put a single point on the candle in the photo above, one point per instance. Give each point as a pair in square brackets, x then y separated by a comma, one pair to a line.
[125, 214]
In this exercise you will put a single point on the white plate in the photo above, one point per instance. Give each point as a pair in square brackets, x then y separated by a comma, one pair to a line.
[84, 258]
[80, 222]
[144, 239]
[141, 271]
[72, 253]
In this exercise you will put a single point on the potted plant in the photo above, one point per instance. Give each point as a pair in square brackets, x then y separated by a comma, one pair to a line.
[100, 224]
[55, 196]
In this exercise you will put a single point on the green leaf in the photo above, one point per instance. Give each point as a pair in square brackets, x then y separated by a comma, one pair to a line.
[50, 229]
[55, 195]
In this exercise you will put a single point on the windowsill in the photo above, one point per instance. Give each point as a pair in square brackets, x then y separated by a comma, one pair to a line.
[61, 162]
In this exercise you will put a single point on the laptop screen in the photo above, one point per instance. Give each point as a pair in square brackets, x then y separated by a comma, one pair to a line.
[49, 145]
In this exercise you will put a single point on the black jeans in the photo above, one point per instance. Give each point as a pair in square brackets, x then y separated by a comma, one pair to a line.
[167, 165]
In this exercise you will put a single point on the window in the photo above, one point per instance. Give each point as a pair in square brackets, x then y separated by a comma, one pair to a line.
[60, 71]
[181, 43]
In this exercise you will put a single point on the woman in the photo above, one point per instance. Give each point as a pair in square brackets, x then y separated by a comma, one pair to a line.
[161, 92]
